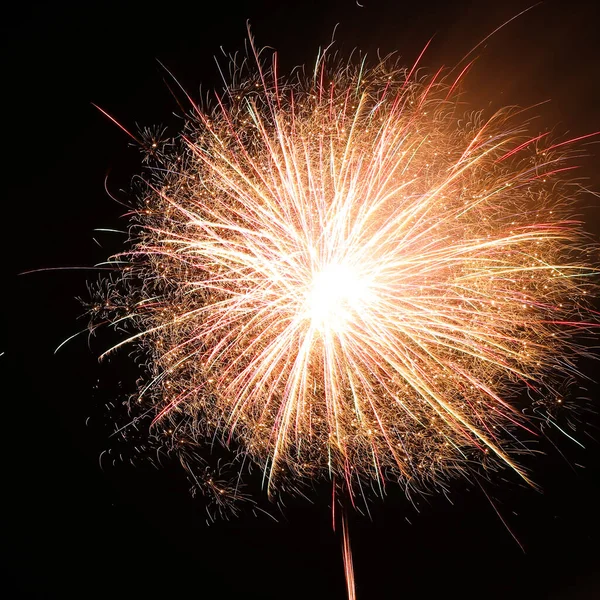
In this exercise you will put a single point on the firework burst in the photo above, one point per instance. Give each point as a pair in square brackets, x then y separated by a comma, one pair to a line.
[341, 274]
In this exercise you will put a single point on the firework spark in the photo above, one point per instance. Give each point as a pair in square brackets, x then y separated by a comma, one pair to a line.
[342, 275]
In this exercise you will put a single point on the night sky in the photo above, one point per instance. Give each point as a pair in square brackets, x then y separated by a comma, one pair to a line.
[74, 530]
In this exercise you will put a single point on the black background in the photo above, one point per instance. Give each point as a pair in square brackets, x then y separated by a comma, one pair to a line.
[73, 530]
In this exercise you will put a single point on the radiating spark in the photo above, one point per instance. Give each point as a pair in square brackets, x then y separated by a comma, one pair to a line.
[338, 276]
[345, 280]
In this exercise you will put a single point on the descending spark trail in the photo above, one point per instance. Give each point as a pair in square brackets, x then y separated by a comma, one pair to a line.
[342, 275]
[347, 555]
